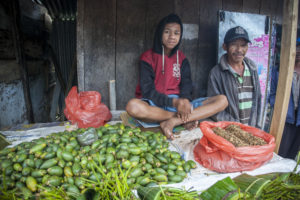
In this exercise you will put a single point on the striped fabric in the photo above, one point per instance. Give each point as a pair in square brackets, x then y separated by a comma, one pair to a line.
[245, 93]
[296, 89]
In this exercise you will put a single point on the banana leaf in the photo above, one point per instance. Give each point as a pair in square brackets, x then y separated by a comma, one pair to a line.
[221, 190]
[3, 142]
[251, 184]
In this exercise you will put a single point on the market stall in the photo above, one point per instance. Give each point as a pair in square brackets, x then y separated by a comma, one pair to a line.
[39, 163]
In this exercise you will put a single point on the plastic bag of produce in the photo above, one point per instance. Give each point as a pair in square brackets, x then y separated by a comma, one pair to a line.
[85, 109]
[216, 153]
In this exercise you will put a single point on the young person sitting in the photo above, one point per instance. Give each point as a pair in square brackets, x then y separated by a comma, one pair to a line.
[164, 93]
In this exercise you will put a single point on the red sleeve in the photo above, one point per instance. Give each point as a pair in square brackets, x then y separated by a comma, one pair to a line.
[147, 57]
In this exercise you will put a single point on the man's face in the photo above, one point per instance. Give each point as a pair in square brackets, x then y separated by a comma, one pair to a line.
[171, 36]
[236, 50]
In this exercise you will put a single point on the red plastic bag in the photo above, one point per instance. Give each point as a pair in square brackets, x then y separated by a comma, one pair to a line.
[86, 109]
[216, 153]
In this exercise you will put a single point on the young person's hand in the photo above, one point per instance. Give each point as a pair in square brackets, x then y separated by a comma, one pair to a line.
[184, 108]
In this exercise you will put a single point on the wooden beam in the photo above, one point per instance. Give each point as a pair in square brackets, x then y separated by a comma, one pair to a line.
[100, 28]
[20, 56]
[80, 51]
[206, 55]
[112, 95]
[287, 62]
[130, 40]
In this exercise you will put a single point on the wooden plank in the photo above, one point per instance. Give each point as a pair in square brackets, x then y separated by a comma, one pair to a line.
[130, 40]
[80, 44]
[278, 13]
[232, 5]
[272, 8]
[207, 43]
[112, 95]
[188, 10]
[99, 45]
[15, 10]
[268, 7]
[155, 11]
[287, 61]
[252, 6]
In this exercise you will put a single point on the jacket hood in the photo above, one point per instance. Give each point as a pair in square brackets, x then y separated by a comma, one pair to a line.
[157, 45]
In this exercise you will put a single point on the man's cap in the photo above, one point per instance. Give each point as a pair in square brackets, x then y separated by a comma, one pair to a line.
[236, 33]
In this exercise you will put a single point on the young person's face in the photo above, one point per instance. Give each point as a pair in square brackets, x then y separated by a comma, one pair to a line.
[171, 36]
[236, 50]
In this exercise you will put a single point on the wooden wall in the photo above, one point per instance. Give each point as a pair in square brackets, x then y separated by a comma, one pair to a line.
[112, 34]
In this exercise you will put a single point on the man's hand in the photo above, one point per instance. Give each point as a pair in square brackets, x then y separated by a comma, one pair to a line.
[184, 108]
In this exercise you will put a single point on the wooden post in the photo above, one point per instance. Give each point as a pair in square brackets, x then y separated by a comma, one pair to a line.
[287, 62]
[80, 45]
[112, 95]
[20, 56]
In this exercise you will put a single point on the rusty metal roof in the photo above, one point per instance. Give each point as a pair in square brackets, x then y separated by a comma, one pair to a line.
[62, 9]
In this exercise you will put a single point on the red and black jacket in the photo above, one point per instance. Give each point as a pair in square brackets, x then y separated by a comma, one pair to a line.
[155, 83]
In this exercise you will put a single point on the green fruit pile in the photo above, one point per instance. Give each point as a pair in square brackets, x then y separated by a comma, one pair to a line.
[66, 159]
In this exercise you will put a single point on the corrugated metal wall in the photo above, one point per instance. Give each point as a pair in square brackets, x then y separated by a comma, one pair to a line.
[63, 9]
[63, 42]
[63, 38]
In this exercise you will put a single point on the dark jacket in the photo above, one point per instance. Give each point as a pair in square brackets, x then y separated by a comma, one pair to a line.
[222, 81]
[155, 85]
[290, 117]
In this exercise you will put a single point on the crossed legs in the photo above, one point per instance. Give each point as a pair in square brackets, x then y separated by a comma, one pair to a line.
[168, 120]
